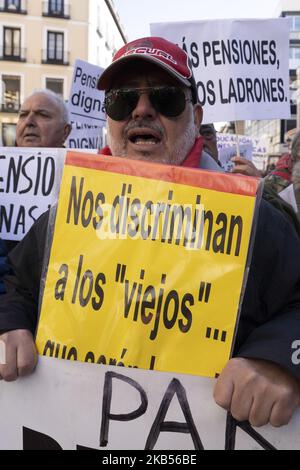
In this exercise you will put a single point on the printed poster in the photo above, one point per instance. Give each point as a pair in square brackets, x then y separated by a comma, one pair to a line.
[147, 265]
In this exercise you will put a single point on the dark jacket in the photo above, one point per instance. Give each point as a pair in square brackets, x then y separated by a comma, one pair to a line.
[270, 315]
[3, 265]
[286, 209]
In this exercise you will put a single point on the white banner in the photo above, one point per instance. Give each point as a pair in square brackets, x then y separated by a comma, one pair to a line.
[252, 149]
[85, 136]
[29, 185]
[73, 405]
[86, 101]
[241, 66]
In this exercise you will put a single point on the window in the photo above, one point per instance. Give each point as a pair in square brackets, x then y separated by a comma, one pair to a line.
[56, 7]
[10, 100]
[55, 47]
[54, 52]
[56, 85]
[12, 43]
[295, 23]
[295, 52]
[8, 134]
[13, 5]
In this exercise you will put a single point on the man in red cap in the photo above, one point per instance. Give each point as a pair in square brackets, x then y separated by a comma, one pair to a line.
[156, 72]
[153, 114]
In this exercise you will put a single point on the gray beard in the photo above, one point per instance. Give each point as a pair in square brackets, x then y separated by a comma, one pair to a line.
[176, 156]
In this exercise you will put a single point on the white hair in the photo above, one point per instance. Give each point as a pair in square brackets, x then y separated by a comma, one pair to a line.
[296, 175]
[58, 100]
[295, 148]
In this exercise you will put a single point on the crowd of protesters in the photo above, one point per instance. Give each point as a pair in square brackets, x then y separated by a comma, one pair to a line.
[153, 114]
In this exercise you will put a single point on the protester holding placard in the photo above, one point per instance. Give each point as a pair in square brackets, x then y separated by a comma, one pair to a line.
[43, 122]
[281, 177]
[209, 134]
[274, 182]
[154, 115]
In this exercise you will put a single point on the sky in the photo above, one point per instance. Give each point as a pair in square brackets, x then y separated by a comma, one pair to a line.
[136, 15]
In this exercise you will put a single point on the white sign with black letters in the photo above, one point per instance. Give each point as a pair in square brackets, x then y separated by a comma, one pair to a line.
[74, 405]
[86, 101]
[241, 66]
[85, 136]
[250, 148]
[29, 185]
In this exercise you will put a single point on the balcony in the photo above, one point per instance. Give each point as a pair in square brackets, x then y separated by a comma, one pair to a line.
[15, 55]
[10, 107]
[19, 8]
[54, 57]
[52, 11]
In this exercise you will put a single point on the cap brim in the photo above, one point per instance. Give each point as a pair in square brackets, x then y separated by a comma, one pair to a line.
[107, 77]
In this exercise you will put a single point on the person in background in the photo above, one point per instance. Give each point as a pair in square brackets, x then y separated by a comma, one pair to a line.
[208, 132]
[154, 115]
[291, 193]
[43, 121]
[296, 183]
[270, 167]
[281, 176]
[276, 180]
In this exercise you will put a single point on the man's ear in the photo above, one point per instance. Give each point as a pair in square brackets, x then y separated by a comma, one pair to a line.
[67, 130]
[198, 115]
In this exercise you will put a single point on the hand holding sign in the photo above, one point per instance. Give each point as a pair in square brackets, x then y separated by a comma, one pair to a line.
[257, 391]
[245, 167]
[20, 357]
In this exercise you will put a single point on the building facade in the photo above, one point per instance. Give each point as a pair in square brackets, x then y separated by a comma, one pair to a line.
[40, 42]
[277, 131]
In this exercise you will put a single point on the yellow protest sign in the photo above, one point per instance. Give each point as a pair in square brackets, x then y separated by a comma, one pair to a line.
[147, 265]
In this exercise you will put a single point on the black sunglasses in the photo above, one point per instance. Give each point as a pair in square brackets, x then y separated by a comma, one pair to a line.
[166, 100]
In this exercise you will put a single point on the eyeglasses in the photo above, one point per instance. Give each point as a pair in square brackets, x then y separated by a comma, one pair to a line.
[166, 100]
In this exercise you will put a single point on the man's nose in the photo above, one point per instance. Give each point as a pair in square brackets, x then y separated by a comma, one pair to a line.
[144, 108]
[30, 119]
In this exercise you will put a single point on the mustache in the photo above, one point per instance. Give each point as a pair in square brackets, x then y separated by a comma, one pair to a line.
[144, 123]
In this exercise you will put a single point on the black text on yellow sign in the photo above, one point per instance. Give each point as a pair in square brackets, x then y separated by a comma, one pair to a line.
[147, 266]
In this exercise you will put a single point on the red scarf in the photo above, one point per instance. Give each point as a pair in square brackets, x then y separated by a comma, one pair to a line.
[191, 161]
[284, 167]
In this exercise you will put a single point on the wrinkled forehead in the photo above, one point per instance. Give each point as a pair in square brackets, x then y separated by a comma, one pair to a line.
[40, 101]
[140, 74]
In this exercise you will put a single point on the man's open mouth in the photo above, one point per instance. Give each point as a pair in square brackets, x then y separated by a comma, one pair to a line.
[144, 137]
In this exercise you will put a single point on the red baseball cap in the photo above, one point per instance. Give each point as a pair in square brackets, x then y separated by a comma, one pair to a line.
[158, 51]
